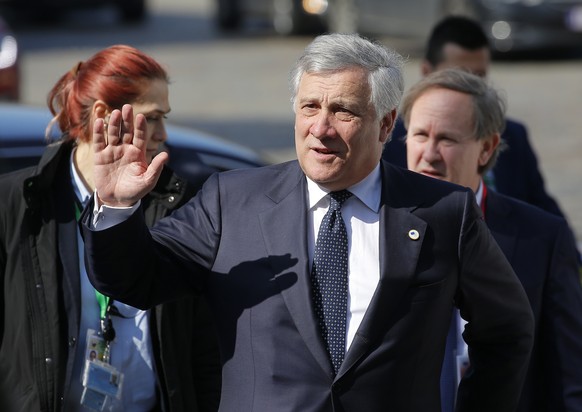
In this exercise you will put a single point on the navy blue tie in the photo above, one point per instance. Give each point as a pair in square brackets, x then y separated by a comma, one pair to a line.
[329, 278]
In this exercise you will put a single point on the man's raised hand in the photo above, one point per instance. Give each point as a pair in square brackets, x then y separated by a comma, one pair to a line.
[121, 172]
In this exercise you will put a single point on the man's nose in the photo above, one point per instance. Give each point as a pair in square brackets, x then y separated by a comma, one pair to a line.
[431, 151]
[322, 126]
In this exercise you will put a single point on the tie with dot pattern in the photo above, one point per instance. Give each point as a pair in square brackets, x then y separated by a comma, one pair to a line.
[329, 278]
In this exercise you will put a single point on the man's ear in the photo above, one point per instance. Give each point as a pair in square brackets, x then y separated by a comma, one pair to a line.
[488, 147]
[387, 124]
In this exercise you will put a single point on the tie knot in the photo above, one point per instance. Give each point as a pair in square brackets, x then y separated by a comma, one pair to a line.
[338, 198]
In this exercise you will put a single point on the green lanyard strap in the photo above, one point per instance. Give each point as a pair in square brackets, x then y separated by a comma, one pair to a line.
[103, 303]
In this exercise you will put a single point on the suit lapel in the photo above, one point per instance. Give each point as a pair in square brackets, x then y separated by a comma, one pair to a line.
[289, 236]
[399, 253]
[398, 258]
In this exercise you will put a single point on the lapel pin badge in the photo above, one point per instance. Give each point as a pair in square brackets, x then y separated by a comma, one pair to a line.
[413, 234]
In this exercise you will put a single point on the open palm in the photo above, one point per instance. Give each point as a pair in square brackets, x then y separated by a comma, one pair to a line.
[121, 172]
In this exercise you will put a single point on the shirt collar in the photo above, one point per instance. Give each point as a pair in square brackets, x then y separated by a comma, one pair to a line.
[479, 193]
[368, 190]
[78, 186]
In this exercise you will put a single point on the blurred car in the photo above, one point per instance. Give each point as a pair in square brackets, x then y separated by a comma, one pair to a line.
[529, 25]
[131, 10]
[286, 16]
[9, 64]
[512, 25]
[194, 155]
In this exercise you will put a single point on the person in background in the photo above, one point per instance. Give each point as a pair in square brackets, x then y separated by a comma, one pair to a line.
[454, 121]
[332, 277]
[53, 323]
[460, 42]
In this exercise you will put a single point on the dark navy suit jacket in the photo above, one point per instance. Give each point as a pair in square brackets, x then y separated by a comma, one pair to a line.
[242, 242]
[540, 248]
[516, 171]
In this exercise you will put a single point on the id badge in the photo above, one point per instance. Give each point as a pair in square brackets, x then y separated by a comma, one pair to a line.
[103, 378]
[96, 346]
[93, 400]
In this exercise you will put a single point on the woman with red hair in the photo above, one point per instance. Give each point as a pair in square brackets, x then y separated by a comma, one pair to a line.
[63, 345]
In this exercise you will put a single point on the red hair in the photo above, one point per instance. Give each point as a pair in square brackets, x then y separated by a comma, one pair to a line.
[116, 75]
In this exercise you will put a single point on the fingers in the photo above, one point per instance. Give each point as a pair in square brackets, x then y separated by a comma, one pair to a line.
[122, 128]
[99, 141]
[113, 132]
[139, 133]
[155, 168]
[126, 132]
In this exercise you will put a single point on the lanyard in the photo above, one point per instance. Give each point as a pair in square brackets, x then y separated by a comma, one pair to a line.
[103, 304]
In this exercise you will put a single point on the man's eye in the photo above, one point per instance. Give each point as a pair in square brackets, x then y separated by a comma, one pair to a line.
[447, 141]
[308, 108]
[343, 114]
[419, 136]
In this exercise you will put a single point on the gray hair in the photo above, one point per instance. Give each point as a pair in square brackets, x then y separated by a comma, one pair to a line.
[488, 105]
[337, 52]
